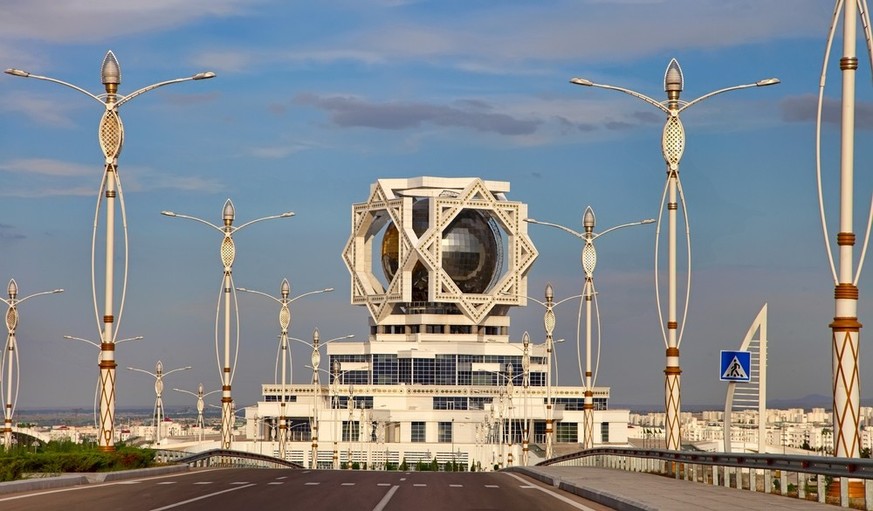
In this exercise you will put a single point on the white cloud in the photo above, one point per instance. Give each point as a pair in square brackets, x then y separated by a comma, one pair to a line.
[49, 167]
[78, 21]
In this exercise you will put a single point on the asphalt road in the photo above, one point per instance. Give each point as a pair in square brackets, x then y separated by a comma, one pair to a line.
[274, 489]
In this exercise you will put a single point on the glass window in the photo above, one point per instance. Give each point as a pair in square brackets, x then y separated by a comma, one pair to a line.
[444, 432]
[604, 432]
[567, 432]
[351, 431]
[418, 432]
[423, 370]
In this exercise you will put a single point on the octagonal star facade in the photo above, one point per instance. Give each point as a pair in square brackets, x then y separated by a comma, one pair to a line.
[436, 237]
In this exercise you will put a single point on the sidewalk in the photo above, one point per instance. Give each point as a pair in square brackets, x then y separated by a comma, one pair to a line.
[635, 491]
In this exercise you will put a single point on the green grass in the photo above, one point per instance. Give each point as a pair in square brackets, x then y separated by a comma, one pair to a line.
[66, 456]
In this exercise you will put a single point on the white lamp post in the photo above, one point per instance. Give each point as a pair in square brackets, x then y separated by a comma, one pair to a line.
[549, 323]
[284, 324]
[316, 359]
[158, 375]
[111, 137]
[199, 395]
[10, 356]
[672, 147]
[589, 261]
[845, 328]
[227, 295]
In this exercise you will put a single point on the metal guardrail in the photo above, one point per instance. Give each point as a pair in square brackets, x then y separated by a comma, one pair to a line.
[809, 474]
[236, 459]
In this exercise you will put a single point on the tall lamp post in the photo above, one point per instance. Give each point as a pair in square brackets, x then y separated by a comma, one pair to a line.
[549, 324]
[158, 375]
[110, 135]
[284, 324]
[10, 355]
[227, 295]
[199, 395]
[589, 261]
[316, 359]
[672, 147]
[845, 328]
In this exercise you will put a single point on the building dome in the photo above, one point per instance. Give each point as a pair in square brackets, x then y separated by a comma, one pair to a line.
[470, 251]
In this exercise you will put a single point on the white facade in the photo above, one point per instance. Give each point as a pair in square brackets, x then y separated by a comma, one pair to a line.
[438, 263]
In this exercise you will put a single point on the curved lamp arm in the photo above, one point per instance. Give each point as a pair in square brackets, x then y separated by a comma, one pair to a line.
[252, 291]
[759, 83]
[589, 83]
[199, 76]
[153, 375]
[630, 224]
[287, 214]
[17, 302]
[189, 217]
[176, 370]
[549, 224]
[317, 291]
[25, 74]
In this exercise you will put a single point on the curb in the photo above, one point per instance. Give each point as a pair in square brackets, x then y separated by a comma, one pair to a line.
[67, 480]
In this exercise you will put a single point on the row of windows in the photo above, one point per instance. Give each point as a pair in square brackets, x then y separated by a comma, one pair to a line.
[575, 404]
[273, 398]
[461, 403]
[443, 369]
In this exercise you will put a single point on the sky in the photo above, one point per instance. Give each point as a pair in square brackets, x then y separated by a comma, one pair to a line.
[314, 101]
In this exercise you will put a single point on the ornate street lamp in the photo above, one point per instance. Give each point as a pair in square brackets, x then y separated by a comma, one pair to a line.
[199, 395]
[589, 261]
[227, 295]
[10, 356]
[284, 324]
[672, 147]
[158, 375]
[110, 135]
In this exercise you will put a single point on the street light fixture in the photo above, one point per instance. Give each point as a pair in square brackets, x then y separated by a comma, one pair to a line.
[284, 324]
[199, 395]
[672, 147]
[227, 295]
[316, 359]
[589, 261]
[549, 323]
[158, 375]
[10, 356]
[111, 138]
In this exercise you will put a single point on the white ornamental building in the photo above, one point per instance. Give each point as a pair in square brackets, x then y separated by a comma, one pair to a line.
[438, 263]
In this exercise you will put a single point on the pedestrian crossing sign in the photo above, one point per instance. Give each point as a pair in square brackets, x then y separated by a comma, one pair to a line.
[736, 366]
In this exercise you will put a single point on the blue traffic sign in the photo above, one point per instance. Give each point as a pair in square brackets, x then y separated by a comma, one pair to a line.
[735, 366]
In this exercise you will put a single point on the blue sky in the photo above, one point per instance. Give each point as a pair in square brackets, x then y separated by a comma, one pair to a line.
[316, 100]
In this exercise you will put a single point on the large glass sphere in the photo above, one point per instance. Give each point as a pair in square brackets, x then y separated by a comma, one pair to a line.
[470, 251]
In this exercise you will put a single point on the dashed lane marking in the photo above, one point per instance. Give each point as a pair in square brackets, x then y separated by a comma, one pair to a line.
[312, 484]
[203, 482]
[167, 482]
[240, 482]
[347, 484]
[275, 482]
[456, 486]
[383, 484]
[492, 486]
[419, 485]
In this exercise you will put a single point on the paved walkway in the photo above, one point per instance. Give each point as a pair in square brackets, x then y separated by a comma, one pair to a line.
[634, 491]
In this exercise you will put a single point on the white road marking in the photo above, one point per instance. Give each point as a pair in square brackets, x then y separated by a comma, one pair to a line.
[403, 479]
[383, 484]
[556, 495]
[275, 482]
[312, 484]
[203, 482]
[167, 482]
[282, 477]
[492, 486]
[456, 486]
[526, 486]
[419, 485]
[240, 482]
[195, 499]
[384, 502]
[347, 484]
